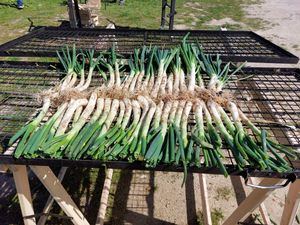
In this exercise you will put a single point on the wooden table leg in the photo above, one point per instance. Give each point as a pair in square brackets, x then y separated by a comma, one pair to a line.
[291, 204]
[50, 199]
[262, 208]
[204, 199]
[24, 194]
[60, 195]
[251, 202]
[104, 197]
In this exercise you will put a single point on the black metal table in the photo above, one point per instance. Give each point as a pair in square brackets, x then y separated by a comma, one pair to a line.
[235, 46]
[270, 95]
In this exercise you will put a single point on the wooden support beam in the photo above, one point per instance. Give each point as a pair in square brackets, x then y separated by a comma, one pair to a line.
[255, 198]
[60, 195]
[23, 192]
[262, 208]
[50, 199]
[204, 200]
[3, 168]
[104, 197]
[291, 204]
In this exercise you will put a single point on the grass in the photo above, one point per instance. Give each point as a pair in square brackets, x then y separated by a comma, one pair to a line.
[17, 22]
[193, 14]
[216, 217]
[223, 193]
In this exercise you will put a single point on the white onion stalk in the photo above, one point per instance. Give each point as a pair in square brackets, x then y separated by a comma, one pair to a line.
[170, 84]
[157, 115]
[162, 88]
[153, 154]
[184, 122]
[27, 131]
[110, 118]
[73, 105]
[145, 107]
[126, 142]
[146, 125]
[77, 147]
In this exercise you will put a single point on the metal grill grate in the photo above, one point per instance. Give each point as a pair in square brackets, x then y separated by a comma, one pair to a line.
[270, 94]
[231, 45]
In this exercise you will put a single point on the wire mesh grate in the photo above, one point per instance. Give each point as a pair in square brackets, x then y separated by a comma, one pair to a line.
[270, 98]
[231, 45]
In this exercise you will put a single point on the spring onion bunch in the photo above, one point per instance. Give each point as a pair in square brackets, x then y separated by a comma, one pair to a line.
[168, 107]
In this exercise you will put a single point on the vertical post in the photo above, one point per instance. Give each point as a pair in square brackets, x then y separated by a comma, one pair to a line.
[72, 13]
[104, 197]
[204, 199]
[24, 194]
[163, 13]
[291, 204]
[172, 14]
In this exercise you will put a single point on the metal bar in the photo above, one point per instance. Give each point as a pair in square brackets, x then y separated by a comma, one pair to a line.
[163, 13]
[72, 14]
[172, 14]
[232, 170]
[245, 45]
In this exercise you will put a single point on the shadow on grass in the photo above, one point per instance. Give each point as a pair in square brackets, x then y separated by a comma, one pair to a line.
[10, 5]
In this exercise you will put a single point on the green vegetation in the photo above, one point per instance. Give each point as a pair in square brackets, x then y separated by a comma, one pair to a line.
[192, 14]
[223, 193]
[17, 22]
[217, 217]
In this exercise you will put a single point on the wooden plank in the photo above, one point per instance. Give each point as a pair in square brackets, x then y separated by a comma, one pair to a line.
[60, 195]
[23, 192]
[10, 151]
[50, 199]
[3, 168]
[262, 208]
[255, 198]
[204, 200]
[291, 204]
[104, 197]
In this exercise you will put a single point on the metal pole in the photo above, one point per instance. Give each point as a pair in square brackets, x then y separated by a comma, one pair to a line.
[72, 14]
[163, 13]
[172, 14]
